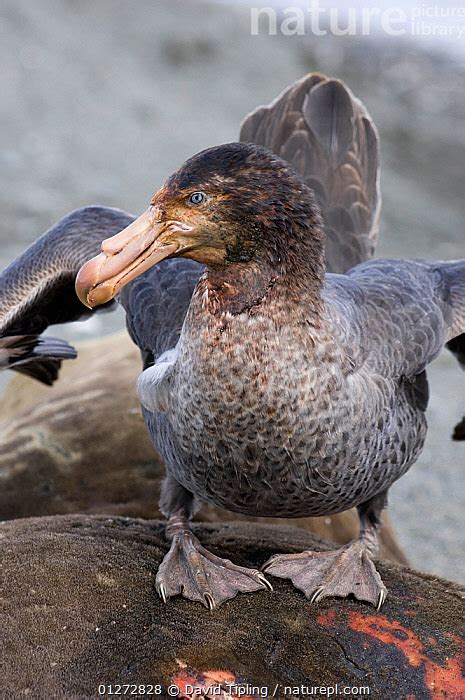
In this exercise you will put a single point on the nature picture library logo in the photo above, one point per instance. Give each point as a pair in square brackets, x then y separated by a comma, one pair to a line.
[320, 18]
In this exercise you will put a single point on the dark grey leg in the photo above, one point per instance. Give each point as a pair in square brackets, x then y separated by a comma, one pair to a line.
[347, 570]
[174, 497]
[370, 522]
[191, 570]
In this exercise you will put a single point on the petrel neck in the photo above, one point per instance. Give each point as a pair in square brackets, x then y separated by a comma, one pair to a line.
[293, 281]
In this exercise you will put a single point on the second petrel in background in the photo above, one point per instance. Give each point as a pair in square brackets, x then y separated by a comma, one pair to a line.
[284, 374]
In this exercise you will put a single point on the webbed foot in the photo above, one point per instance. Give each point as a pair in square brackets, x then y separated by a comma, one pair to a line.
[192, 571]
[345, 571]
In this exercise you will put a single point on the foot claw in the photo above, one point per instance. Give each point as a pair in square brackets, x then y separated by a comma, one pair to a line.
[317, 594]
[209, 601]
[381, 598]
[192, 571]
[162, 592]
[265, 583]
[348, 570]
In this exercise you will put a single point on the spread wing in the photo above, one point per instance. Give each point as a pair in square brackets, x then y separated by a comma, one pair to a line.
[37, 290]
[327, 135]
[394, 316]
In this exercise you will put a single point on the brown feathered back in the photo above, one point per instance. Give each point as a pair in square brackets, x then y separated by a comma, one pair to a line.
[327, 135]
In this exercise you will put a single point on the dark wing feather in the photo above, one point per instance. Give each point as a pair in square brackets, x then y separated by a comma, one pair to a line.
[457, 348]
[394, 316]
[459, 430]
[37, 290]
[34, 356]
[156, 304]
[329, 114]
[388, 315]
[328, 136]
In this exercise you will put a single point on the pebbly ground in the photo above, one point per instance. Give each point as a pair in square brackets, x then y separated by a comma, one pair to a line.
[101, 101]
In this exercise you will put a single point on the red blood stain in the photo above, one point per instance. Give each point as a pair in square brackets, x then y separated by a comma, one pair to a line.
[443, 681]
[205, 681]
[327, 619]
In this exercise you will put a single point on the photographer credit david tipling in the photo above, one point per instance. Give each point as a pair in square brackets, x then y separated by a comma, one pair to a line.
[315, 18]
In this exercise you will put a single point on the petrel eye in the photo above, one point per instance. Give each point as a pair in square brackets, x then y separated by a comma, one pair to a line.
[196, 198]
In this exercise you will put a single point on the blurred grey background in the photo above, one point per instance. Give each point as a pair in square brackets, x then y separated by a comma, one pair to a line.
[102, 100]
